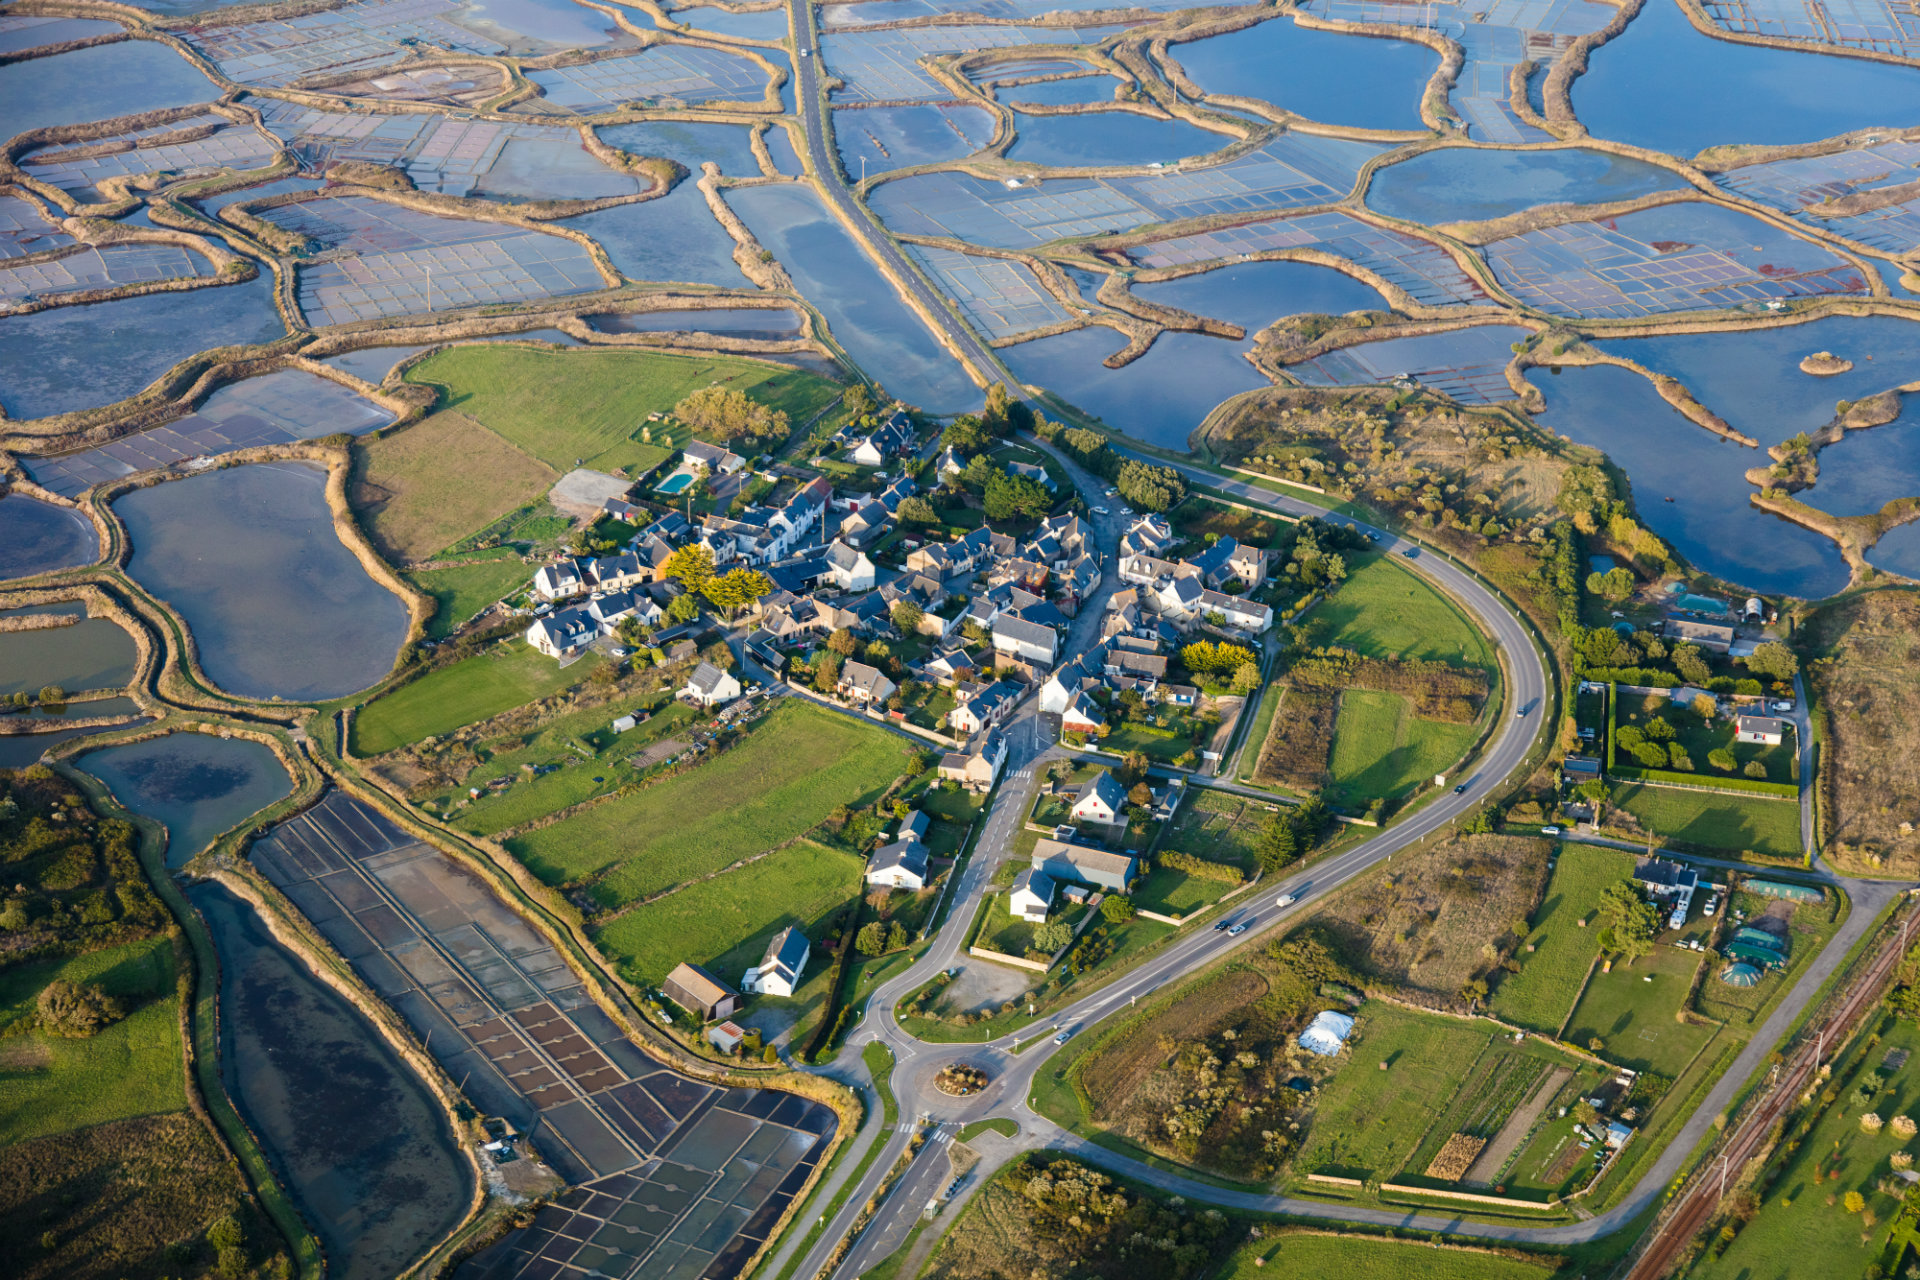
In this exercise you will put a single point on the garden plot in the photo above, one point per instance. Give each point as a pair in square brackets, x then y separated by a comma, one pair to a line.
[18, 31]
[1677, 257]
[1800, 186]
[1291, 171]
[453, 157]
[1425, 270]
[24, 229]
[361, 36]
[684, 73]
[103, 267]
[408, 263]
[1851, 24]
[884, 66]
[843, 16]
[1495, 39]
[998, 297]
[1467, 364]
[278, 408]
[76, 168]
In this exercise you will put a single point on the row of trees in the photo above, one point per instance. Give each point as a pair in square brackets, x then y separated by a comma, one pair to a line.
[692, 567]
[722, 413]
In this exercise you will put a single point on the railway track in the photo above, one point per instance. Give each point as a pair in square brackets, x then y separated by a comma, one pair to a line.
[1703, 1196]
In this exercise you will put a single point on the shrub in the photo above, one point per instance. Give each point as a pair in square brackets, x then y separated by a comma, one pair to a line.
[69, 1009]
[1903, 1126]
[1870, 1123]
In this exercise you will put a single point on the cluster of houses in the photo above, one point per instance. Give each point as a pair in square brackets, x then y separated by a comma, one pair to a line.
[1194, 590]
[1061, 869]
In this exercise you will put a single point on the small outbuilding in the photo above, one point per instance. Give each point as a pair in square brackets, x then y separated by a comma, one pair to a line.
[1327, 1033]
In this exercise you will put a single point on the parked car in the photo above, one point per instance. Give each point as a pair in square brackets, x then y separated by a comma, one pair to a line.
[1100, 511]
[1549, 831]
[1783, 706]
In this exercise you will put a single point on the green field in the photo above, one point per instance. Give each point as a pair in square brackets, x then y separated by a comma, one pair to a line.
[461, 592]
[1634, 1018]
[1541, 994]
[1356, 1257]
[1381, 749]
[724, 923]
[1715, 820]
[423, 489]
[1385, 611]
[473, 689]
[1697, 737]
[1802, 1228]
[51, 1084]
[586, 408]
[782, 781]
[1369, 1121]
[1213, 825]
[529, 798]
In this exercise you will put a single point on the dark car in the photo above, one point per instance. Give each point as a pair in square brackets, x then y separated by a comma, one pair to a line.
[1461, 789]
[1218, 925]
[1411, 553]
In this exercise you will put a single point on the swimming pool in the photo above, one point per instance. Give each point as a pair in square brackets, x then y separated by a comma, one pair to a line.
[674, 483]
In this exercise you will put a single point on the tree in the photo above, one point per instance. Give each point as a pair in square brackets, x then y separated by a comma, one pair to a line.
[871, 940]
[1690, 664]
[1008, 497]
[1149, 487]
[1115, 909]
[916, 510]
[995, 410]
[1659, 730]
[723, 413]
[826, 672]
[1755, 769]
[1854, 1201]
[843, 642]
[1246, 678]
[1473, 990]
[1678, 758]
[1631, 919]
[1773, 659]
[967, 434]
[684, 608]
[769, 1054]
[736, 589]
[857, 400]
[980, 471]
[691, 566]
[1614, 585]
[71, 1009]
[1722, 759]
[1052, 936]
[897, 938]
[907, 616]
[1132, 768]
[1279, 847]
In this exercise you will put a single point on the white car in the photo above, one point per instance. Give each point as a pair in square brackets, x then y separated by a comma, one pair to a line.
[1783, 706]
[1549, 831]
[1236, 931]
[1100, 511]
[1285, 900]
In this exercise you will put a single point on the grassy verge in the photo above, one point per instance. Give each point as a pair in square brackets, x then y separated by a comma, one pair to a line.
[998, 1124]
[464, 590]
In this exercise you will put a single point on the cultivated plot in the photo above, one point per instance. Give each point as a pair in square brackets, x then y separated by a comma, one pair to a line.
[407, 263]
[1424, 270]
[1467, 364]
[999, 298]
[84, 166]
[278, 408]
[1290, 172]
[1677, 257]
[1845, 193]
[684, 73]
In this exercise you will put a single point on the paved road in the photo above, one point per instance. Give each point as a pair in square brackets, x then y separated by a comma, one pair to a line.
[826, 167]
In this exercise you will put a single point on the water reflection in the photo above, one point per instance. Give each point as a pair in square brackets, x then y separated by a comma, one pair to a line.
[100, 83]
[38, 537]
[1332, 77]
[195, 784]
[1109, 138]
[1159, 398]
[92, 653]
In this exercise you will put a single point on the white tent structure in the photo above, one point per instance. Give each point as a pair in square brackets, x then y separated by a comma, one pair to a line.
[1326, 1033]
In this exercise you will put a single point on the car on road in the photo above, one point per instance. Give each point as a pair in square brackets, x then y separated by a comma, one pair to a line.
[1064, 1036]
[1373, 537]
[1100, 511]
[1218, 925]
[1286, 900]
[1549, 831]
[1236, 931]
[1461, 789]
[1783, 706]
[1411, 553]
[1521, 712]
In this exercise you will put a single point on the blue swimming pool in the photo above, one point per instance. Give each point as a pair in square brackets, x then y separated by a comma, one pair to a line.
[675, 482]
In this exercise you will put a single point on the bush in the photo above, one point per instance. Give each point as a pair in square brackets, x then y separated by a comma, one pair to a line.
[1115, 909]
[1202, 868]
[68, 1009]
[1755, 769]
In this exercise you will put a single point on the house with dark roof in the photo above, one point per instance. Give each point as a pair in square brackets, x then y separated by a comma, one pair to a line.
[1096, 867]
[984, 709]
[779, 972]
[890, 439]
[1102, 799]
[864, 686]
[717, 459]
[849, 568]
[1034, 643]
[1031, 896]
[709, 686]
[563, 632]
[900, 865]
[979, 769]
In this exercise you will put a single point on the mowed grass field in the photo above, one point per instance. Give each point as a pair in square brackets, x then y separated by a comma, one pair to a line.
[51, 1084]
[464, 590]
[421, 490]
[1541, 994]
[563, 406]
[1634, 1018]
[1384, 610]
[470, 690]
[530, 798]
[1715, 820]
[724, 923]
[781, 782]
[1381, 749]
[1356, 1257]
[1368, 1121]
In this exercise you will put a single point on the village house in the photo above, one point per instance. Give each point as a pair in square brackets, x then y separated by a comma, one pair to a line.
[1096, 867]
[623, 511]
[778, 974]
[1082, 715]
[1718, 637]
[1764, 730]
[1032, 644]
[711, 687]
[984, 708]
[563, 632]
[727, 1037]
[949, 666]
[717, 459]
[900, 865]
[848, 568]
[890, 439]
[864, 686]
[1032, 896]
[1102, 799]
[979, 769]
[699, 992]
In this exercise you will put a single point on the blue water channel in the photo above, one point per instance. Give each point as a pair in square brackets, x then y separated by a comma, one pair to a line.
[1710, 520]
[887, 340]
[1663, 85]
[1466, 184]
[100, 83]
[1329, 76]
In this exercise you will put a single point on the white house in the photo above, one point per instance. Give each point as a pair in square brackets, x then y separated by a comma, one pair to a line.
[976, 770]
[1102, 799]
[558, 580]
[900, 865]
[1082, 715]
[718, 461]
[864, 685]
[778, 974]
[711, 687]
[984, 709]
[1032, 642]
[888, 439]
[1032, 895]
[1765, 730]
[563, 632]
[849, 568]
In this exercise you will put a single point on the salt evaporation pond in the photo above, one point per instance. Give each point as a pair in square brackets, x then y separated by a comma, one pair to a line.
[277, 605]
[357, 1139]
[770, 323]
[1898, 551]
[770, 24]
[38, 537]
[101, 83]
[1661, 84]
[92, 653]
[1255, 294]
[1060, 93]
[1109, 138]
[888, 341]
[1869, 468]
[1753, 378]
[672, 238]
[881, 139]
[728, 145]
[70, 358]
[1710, 522]
[1159, 398]
[1464, 184]
[18, 750]
[1332, 77]
[785, 158]
[197, 785]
